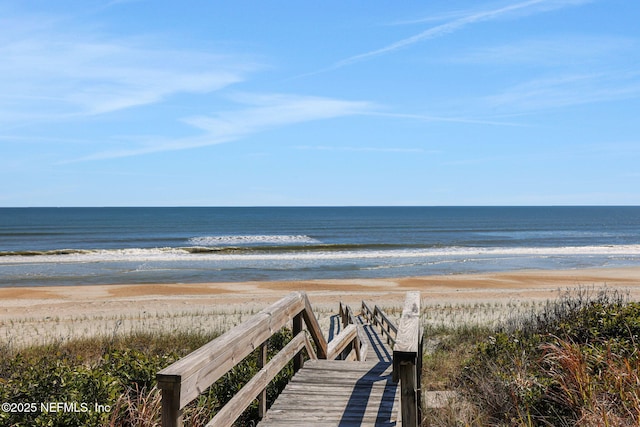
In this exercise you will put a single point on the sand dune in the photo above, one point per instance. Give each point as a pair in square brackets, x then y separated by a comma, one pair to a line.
[40, 314]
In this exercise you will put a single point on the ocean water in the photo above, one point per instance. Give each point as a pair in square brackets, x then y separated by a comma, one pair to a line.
[70, 246]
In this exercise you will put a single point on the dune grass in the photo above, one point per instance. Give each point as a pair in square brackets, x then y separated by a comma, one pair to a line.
[575, 362]
[118, 374]
[572, 361]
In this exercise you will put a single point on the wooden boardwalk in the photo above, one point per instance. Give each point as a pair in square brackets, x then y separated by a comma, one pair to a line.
[366, 374]
[337, 393]
[341, 393]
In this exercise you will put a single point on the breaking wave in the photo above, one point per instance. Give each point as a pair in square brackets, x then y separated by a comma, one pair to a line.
[250, 240]
[306, 252]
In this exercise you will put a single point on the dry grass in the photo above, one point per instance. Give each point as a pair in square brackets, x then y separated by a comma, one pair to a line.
[603, 386]
[574, 363]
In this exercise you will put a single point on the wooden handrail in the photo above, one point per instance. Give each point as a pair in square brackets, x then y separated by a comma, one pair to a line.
[184, 380]
[238, 403]
[378, 317]
[187, 378]
[407, 360]
[348, 318]
[340, 343]
[366, 311]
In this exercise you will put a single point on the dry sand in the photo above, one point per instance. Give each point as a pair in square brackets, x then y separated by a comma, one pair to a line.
[45, 313]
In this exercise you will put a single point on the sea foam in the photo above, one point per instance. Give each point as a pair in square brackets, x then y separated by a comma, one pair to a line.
[444, 253]
[250, 240]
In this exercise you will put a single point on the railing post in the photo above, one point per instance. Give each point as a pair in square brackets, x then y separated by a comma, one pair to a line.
[185, 379]
[171, 412]
[298, 360]
[406, 352]
[314, 329]
[262, 397]
[419, 373]
[408, 393]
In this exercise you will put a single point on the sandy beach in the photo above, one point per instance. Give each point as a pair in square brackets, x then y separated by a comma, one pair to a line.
[46, 313]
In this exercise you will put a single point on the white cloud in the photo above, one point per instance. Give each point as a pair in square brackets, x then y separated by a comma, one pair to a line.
[361, 149]
[50, 73]
[277, 110]
[568, 90]
[564, 51]
[260, 113]
[463, 19]
[431, 118]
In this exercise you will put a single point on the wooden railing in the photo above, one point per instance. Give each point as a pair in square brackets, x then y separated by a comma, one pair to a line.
[406, 340]
[190, 376]
[379, 318]
[407, 360]
[360, 347]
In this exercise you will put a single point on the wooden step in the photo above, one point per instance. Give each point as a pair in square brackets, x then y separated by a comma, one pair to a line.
[337, 393]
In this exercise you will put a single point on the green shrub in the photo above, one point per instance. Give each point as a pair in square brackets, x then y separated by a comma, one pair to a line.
[574, 363]
[118, 374]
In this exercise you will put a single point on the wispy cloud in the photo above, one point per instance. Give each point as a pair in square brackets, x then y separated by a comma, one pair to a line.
[48, 72]
[568, 90]
[564, 51]
[614, 148]
[268, 111]
[119, 2]
[431, 118]
[260, 113]
[461, 20]
[359, 149]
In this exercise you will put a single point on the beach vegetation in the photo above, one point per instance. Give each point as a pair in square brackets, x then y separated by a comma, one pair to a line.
[566, 362]
[110, 381]
[574, 362]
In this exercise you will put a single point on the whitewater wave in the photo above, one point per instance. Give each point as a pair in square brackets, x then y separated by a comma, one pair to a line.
[250, 240]
[326, 252]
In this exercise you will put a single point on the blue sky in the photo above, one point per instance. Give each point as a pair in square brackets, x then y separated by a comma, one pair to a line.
[252, 103]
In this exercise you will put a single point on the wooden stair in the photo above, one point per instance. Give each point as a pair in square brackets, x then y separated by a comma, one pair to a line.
[341, 393]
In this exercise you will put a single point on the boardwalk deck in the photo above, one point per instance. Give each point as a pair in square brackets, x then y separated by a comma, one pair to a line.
[337, 393]
[341, 393]
[378, 347]
[372, 386]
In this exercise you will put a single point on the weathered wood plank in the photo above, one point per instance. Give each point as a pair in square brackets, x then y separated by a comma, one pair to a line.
[387, 326]
[317, 421]
[314, 328]
[310, 351]
[330, 366]
[171, 411]
[203, 367]
[337, 393]
[194, 361]
[329, 375]
[366, 311]
[315, 401]
[298, 360]
[377, 348]
[262, 397]
[337, 417]
[381, 372]
[406, 352]
[361, 394]
[409, 325]
[361, 347]
[234, 408]
[339, 343]
[323, 392]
